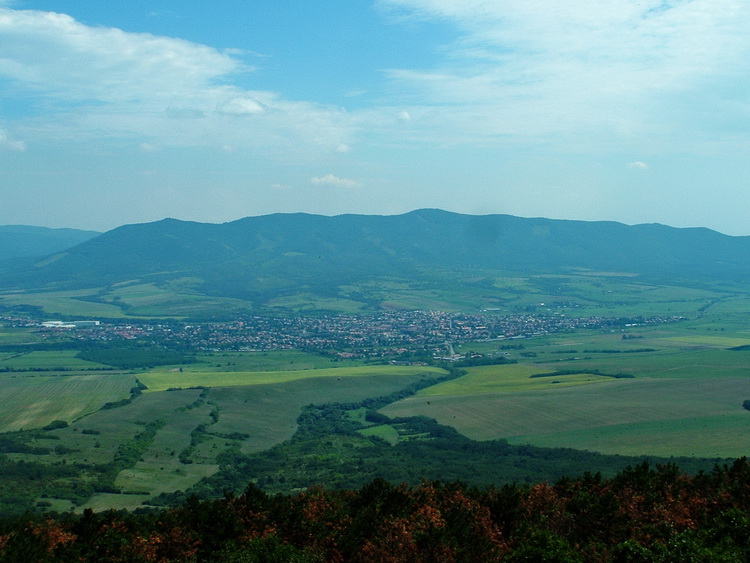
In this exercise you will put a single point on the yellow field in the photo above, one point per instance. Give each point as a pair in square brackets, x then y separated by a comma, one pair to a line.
[507, 378]
[161, 380]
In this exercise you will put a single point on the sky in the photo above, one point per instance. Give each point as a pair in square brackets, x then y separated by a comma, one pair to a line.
[635, 111]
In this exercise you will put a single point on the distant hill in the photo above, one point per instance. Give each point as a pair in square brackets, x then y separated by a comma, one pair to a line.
[261, 257]
[20, 241]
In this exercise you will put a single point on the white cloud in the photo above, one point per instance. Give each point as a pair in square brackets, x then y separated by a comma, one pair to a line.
[638, 165]
[574, 71]
[6, 143]
[97, 82]
[241, 105]
[63, 58]
[403, 116]
[331, 180]
[343, 148]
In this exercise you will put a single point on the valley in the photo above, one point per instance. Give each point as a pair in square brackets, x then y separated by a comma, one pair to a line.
[483, 363]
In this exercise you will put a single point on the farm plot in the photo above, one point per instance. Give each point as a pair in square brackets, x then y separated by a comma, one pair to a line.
[35, 401]
[60, 360]
[163, 379]
[508, 378]
[267, 414]
[653, 416]
[96, 437]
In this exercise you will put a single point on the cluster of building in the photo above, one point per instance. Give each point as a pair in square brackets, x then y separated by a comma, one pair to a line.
[387, 332]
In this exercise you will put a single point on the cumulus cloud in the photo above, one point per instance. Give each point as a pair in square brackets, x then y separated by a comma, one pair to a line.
[331, 180]
[10, 144]
[100, 63]
[94, 82]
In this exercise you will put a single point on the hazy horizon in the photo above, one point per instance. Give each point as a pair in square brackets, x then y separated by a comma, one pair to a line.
[635, 112]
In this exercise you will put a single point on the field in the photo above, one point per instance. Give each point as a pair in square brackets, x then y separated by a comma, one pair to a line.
[670, 389]
[162, 380]
[235, 409]
[684, 398]
[33, 401]
[575, 293]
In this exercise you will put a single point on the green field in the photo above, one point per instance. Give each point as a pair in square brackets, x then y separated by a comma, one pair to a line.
[508, 379]
[33, 401]
[61, 360]
[74, 303]
[685, 397]
[173, 378]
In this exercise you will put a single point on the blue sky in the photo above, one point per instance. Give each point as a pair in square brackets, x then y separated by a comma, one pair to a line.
[628, 110]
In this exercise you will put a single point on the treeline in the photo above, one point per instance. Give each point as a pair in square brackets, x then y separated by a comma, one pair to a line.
[563, 372]
[134, 355]
[643, 513]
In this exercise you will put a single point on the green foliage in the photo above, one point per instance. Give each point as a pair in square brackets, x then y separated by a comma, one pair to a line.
[644, 513]
[131, 356]
[56, 424]
[562, 372]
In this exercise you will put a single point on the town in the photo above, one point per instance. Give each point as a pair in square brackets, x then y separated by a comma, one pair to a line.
[383, 334]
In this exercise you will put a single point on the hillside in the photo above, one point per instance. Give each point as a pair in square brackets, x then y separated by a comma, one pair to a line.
[262, 258]
[20, 241]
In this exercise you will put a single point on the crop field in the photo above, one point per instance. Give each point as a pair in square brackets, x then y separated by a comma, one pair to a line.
[95, 438]
[35, 401]
[161, 380]
[284, 360]
[684, 398]
[62, 360]
[508, 378]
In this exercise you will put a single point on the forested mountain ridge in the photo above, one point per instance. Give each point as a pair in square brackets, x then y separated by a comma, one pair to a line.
[273, 252]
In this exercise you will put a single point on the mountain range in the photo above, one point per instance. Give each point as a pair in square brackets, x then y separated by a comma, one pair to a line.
[266, 256]
[19, 241]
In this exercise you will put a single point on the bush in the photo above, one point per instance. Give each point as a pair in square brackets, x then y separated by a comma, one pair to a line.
[56, 424]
